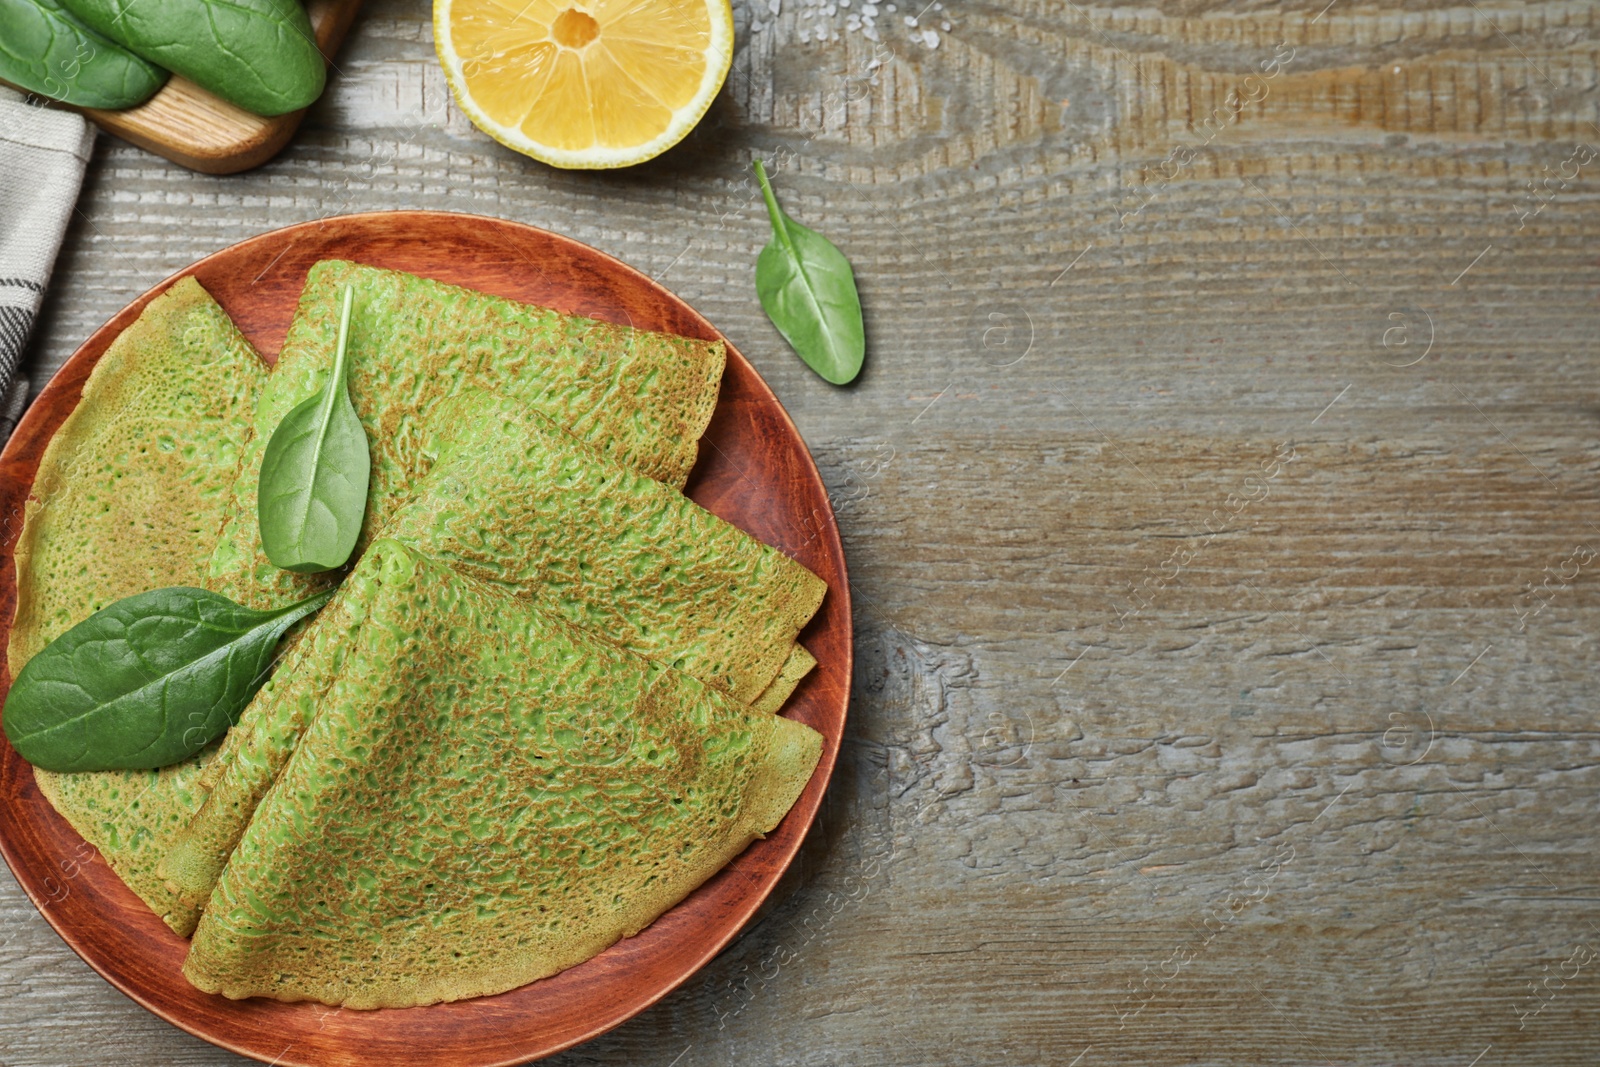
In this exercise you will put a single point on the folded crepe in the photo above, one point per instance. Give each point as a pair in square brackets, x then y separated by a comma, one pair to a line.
[130, 496]
[514, 500]
[256, 749]
[640, 397]
[485, 795]
[796, 667]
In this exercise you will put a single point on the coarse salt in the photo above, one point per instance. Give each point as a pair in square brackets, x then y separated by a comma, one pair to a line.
[829, 20]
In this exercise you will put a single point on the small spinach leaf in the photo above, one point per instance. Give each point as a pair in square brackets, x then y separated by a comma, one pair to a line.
[145, 682]
[312, 492]
[809, 292]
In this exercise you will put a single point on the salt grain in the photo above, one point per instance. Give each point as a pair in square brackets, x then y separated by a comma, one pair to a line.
[828, 20]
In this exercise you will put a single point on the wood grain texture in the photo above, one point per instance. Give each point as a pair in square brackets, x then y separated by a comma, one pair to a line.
[1012, 861]
[757, 476]
[205, 133]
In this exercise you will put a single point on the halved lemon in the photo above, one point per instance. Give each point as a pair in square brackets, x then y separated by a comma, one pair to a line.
[585, 83]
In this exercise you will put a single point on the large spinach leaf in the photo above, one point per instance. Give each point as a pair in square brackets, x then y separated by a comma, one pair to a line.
[46, 50]
[145, 682]
[259, 54]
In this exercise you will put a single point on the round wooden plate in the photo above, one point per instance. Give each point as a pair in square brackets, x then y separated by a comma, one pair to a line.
[754, 471]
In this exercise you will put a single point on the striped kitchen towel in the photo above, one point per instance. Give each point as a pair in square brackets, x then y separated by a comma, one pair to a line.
[42, 155]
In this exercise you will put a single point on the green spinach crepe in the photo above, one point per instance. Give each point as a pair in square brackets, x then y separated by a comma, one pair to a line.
[796, 667]
[640, 397]
[485, 795]
[514, 500]
[255, 751]
[129, 496]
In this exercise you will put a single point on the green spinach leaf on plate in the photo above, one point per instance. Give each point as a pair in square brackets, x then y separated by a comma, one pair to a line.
[145, 682]
[312, 493]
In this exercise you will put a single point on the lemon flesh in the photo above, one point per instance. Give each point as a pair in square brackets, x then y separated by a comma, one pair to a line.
[588, 84]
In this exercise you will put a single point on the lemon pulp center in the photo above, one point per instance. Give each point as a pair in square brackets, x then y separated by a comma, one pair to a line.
[574, 29]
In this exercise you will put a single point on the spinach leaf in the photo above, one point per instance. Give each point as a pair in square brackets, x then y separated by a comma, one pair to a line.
[45, 50]
[259, 54]
[313, 487]
[145, 682]
[809, 292]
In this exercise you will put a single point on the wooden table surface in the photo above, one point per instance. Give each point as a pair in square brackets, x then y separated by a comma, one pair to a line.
[1220, 499]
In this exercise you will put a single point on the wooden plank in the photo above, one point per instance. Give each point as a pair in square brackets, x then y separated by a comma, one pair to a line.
[1015, 860]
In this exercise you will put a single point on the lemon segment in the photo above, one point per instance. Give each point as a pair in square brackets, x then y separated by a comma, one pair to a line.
[585, 83]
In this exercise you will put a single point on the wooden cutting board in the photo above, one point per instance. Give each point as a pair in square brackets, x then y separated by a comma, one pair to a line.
[203, 132]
